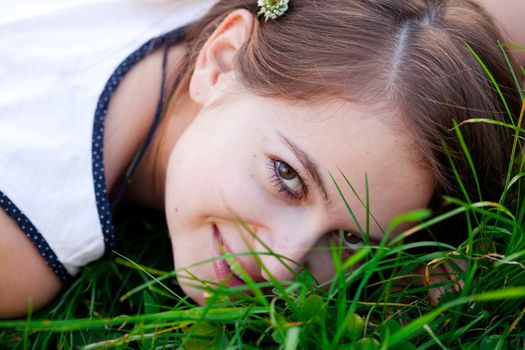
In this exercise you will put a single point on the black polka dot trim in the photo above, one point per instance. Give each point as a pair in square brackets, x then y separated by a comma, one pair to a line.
[36, 238]
[99, 179]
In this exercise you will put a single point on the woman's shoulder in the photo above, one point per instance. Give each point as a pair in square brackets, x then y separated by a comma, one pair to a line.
[509, 16]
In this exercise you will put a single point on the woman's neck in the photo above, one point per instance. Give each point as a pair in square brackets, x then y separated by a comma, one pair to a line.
[148, 182]
[128, 120]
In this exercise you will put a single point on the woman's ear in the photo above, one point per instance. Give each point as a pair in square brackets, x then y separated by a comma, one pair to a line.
[216, 57]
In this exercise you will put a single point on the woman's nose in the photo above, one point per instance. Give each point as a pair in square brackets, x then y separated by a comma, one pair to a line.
[283, 253]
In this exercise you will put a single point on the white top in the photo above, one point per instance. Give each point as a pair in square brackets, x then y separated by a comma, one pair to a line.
[55, 58]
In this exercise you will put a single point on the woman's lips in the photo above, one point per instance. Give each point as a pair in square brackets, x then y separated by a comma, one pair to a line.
[221, 266]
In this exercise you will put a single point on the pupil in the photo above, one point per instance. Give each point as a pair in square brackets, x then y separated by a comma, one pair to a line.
[351, 238]
[286, 171]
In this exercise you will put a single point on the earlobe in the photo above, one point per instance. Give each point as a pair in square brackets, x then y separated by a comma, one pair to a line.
[217, 56]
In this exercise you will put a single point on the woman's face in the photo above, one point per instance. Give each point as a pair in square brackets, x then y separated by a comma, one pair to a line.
[269, 163]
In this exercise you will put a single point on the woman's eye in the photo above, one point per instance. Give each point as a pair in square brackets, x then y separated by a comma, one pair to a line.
[349, 238]
[288, 175]
[287, 180]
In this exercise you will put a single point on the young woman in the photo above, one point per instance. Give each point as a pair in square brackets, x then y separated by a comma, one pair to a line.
[260, 118]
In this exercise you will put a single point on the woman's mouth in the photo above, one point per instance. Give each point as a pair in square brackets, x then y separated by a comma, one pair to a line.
[224, 270]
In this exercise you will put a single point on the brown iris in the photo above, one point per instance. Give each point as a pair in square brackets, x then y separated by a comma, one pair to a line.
[286, 171]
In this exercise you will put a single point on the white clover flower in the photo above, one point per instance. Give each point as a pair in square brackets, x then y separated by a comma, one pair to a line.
[272, 8]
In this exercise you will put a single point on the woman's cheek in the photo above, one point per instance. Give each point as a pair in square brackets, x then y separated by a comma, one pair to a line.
[243, 189]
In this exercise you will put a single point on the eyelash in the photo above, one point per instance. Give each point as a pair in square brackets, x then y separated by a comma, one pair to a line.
[281, 186]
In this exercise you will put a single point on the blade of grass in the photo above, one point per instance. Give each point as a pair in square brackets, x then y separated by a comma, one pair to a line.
[511, 69]
[415, 326]
[493, 80]
[470, 162]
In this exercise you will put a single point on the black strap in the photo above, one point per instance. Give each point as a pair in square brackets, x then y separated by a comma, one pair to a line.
[158, 115]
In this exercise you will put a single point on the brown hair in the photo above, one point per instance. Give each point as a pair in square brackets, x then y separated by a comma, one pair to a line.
[410, 57]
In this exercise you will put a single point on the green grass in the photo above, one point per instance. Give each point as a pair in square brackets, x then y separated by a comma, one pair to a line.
[130, 299]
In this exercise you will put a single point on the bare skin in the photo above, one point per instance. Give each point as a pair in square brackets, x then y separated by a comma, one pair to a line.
[25, 276]
[509, 17]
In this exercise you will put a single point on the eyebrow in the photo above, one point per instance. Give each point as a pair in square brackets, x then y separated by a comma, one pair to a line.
[308, 163]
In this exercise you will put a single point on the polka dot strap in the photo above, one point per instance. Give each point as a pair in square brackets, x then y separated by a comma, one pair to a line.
[101, 195]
